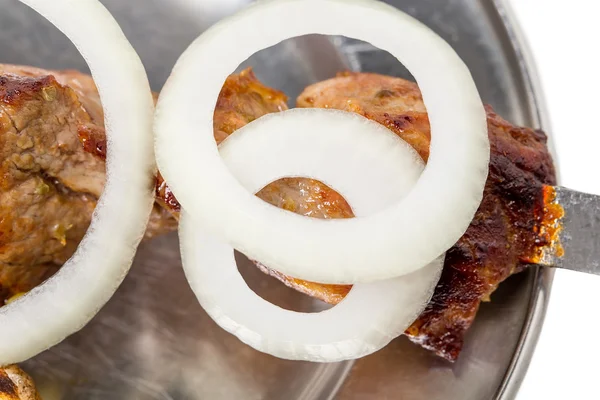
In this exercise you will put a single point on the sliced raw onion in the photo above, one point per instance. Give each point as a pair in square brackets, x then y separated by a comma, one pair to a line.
[67, 301]
[369, 317]
[372, 168]
[398, 240]
[345, 151]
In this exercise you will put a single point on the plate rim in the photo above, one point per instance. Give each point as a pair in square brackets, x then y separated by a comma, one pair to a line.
[543, 277]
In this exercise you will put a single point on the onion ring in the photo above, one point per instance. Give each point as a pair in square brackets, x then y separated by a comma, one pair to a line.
[276, 146]
[400, 239]
[67, 301]
[346, 151]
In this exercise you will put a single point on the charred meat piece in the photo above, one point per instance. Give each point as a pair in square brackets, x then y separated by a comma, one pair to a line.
[505, 231]
[15, 384]
[503, 237]
[54, 181]
[49, 184]
[52, 165]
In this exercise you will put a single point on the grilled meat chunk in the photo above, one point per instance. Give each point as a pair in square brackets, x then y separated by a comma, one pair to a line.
[242, 100]
[49, 184]
[15, 384]
[61, 114]
[503, 237]
[504, 234]
[52, 165]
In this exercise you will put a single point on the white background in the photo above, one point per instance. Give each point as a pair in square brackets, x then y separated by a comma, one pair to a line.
[564, 36]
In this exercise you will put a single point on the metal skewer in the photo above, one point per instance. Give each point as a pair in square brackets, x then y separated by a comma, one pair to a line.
[580, 233]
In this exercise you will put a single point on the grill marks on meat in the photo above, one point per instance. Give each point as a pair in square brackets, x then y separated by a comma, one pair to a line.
[49, 184]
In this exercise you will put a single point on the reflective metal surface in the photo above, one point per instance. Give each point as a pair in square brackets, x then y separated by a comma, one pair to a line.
[153, 341]
[579, 237]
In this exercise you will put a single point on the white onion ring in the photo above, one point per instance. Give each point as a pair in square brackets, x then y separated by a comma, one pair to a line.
[67, 301]
[399, 240]
[345, 151]
[276, 146]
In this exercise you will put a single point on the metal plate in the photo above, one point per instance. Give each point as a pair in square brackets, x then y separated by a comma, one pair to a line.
[153, 341]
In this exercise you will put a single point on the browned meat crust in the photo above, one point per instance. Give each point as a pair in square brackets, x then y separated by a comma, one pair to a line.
[52, 164]
[242, 100]
[15, 384]
[314, 199]
[48, 184]
[503, 235]
[504, 232]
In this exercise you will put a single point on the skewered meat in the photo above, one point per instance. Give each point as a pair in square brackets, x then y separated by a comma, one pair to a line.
[503, 237]
[52, 171]
[15, 384]
[49, 183]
